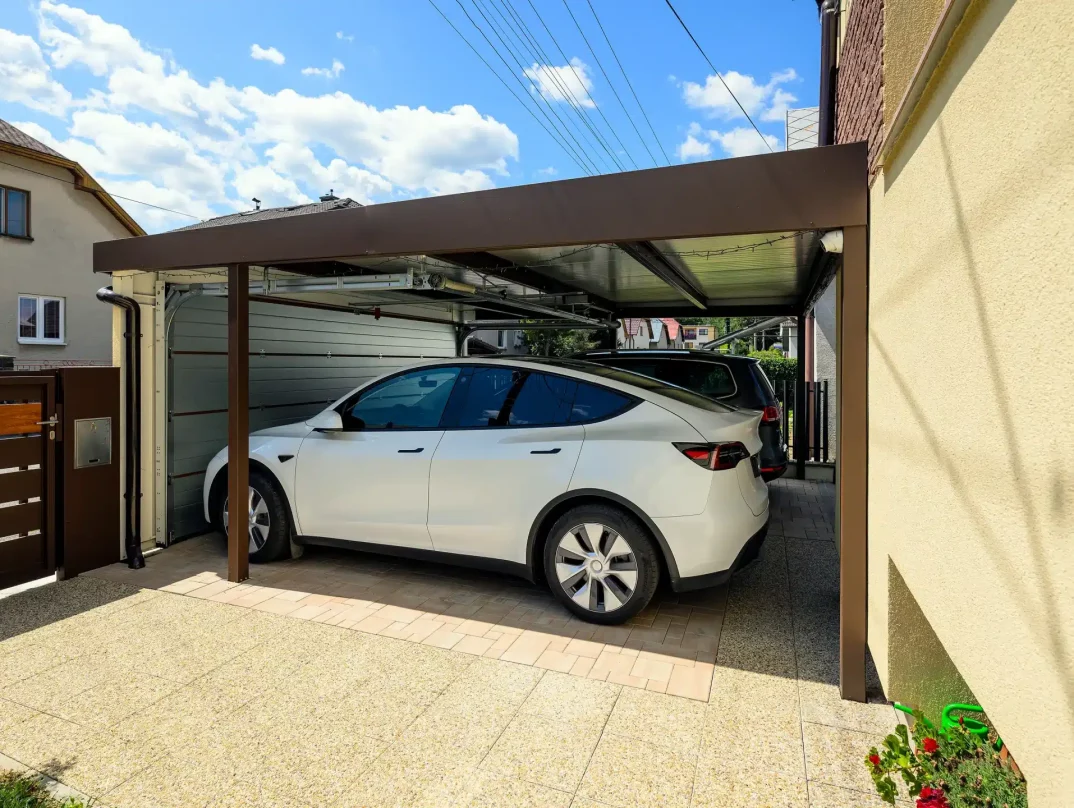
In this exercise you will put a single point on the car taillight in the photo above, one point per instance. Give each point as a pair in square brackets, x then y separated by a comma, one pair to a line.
[714, 456]
[771, 414]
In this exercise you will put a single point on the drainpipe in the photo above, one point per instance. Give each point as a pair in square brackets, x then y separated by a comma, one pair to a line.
[829, 36]
[132, 333]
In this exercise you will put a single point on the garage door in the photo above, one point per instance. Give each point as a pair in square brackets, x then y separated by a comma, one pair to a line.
[300, 360]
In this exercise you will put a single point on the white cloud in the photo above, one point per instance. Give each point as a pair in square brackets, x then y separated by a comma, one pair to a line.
[153, 219]
[344, 37]
[73, 36]
[743, 141]
[755, 98]
[25, 77]
[325, 72]
[149, 129]
[780, 102]
[693, 148]
[269, 54]
[569, 83]
[549, 171]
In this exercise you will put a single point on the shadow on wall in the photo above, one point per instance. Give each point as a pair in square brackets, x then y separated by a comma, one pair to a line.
[920, 673]
[1039, 603]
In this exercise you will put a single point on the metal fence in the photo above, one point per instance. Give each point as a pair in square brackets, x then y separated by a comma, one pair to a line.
[816, 414]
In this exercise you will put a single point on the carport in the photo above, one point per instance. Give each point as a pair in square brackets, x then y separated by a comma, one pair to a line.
[724, 238]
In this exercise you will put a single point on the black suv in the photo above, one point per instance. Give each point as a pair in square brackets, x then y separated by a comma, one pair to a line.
[735, 380]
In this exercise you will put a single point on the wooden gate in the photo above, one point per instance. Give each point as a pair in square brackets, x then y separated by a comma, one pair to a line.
[28, 426]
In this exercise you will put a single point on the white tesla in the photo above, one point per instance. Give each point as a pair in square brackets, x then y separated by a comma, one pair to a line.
[596, 480]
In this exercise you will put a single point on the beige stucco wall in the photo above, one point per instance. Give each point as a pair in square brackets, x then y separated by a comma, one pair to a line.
[907, 27]
[971, 307]
[58, 262]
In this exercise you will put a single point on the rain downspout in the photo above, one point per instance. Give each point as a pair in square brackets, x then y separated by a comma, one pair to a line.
[132, 365]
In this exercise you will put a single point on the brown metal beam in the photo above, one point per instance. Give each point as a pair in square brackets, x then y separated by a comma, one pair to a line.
[801, 404]
[852, 363]
[238, 422]
[808, 189]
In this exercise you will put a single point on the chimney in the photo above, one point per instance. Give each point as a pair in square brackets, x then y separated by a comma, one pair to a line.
[330, 196]
[257, 203]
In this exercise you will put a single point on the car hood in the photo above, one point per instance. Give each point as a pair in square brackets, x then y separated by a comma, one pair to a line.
[297, 430]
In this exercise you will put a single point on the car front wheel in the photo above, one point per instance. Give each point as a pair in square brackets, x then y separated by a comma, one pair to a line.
[601, 564]
[269, 524]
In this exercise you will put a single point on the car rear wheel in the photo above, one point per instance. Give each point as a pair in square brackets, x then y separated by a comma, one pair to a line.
[601, 564]
[269, 523]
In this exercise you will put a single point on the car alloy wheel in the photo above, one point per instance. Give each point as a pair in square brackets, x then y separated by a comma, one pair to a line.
[260, 521]
[596, 567]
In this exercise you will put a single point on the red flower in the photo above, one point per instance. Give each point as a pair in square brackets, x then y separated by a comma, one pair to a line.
[875, 760]
[930, 746]
[932, 798]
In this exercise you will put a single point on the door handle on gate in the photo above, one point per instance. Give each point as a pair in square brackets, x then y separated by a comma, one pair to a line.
[545, 451]
[412, 451]
[50, 422]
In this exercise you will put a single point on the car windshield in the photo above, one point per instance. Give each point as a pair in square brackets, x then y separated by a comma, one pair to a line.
[638, 380]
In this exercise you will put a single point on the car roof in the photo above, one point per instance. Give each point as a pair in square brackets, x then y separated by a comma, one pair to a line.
[664, 353]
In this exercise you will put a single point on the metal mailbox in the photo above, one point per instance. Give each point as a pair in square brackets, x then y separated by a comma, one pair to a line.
[93, 442]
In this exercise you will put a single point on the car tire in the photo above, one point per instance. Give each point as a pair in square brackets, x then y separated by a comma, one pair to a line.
[270, 519]
[601, 563]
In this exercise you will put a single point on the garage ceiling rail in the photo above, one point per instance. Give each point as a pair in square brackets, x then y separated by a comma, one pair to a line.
[721, 238]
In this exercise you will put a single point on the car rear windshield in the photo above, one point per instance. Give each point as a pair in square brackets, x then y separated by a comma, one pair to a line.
[641, 382]
[710, 379]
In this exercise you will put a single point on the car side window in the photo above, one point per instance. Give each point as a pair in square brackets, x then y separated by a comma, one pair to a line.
[543, 400]
[488, 393]
[414, 400]
[592, 403]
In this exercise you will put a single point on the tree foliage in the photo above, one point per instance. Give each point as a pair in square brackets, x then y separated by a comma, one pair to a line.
[552, 342]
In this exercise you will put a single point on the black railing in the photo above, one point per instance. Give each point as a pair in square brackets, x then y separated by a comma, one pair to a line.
[816, 413]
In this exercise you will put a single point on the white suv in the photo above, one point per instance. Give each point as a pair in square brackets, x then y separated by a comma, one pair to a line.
[594, 479]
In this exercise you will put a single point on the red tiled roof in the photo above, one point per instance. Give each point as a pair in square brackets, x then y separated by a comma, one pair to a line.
[633, 325]
[672, 326]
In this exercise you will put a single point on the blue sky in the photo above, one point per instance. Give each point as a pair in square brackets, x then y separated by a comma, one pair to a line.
[200, 106]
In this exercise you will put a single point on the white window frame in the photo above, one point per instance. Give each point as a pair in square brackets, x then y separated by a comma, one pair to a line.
[41, 299]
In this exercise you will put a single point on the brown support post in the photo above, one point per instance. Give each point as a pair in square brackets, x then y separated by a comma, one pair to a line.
[238, 422]
[801, 405]
[852, 301]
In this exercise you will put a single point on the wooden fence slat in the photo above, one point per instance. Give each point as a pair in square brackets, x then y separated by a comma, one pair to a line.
[20, 419]
[22, 518]
[22, 559]
[18, 452]
[19, 485]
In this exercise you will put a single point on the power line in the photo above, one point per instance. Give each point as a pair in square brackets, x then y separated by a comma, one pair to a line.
[507, 86]
[522, 71]
[631, 86]
[717, 72]
[542, 58]
[608, 79]
[567, 61]
[115, 196]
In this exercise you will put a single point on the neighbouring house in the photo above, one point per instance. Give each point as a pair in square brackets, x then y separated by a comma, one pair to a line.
[633, 332]
[967, 109]
[658, 337]
[504, 341]
[694, 336]
[674, 332]
[51, 213]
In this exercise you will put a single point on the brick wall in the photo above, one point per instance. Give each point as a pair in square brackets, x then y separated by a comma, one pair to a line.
[859, 97]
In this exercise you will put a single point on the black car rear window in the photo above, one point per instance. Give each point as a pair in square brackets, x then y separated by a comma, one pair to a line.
[710, 379]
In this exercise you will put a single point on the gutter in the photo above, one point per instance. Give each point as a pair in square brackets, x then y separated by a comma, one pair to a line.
[132, 366]
[941, 37]
[829, 36]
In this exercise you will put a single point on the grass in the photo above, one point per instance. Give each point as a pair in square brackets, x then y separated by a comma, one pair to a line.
[24, 791]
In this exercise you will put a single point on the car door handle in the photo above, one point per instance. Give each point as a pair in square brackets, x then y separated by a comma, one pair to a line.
[545, 451]
[412, 451]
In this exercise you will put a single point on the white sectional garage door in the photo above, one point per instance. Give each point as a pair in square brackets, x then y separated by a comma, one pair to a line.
[301, 359]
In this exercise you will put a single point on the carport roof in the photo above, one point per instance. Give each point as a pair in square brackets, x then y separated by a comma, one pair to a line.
[737, 234]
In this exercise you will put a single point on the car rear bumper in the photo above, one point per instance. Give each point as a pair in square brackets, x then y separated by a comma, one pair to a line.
[747, 554]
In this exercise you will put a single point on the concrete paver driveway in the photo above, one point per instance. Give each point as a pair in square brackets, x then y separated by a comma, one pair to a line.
[343, 679]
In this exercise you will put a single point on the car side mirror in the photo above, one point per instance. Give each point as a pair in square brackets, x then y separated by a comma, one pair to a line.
[327, 421]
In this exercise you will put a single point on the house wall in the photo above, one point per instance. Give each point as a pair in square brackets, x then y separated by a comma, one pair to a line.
[859, 96]
[64, 224]
[971, 493]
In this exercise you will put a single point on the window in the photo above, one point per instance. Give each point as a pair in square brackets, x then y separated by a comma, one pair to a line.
[486, 394]
[14, 212]
[592, 403]
[413, 400]
[41, 319]
[707, 378]
[500, 339]
[702, 332]
[543, 401]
